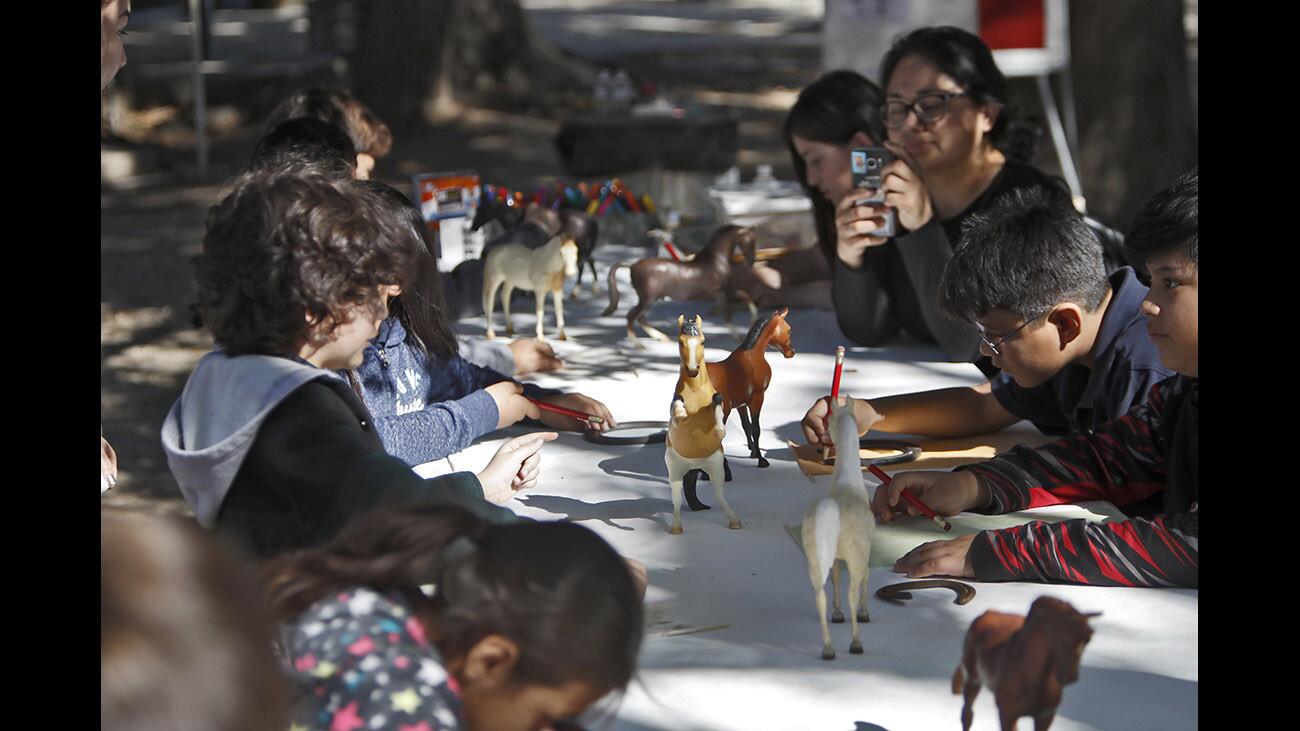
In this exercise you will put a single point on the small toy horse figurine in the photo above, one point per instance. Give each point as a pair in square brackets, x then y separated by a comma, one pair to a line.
[840, 526]
[1025, 661]
[577, 225]
[540, 270]
[696, 426]
[743, 377]
[701, 278]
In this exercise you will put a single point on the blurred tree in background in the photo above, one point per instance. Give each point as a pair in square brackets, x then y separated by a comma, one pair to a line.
[1133, 92]
[418, 59]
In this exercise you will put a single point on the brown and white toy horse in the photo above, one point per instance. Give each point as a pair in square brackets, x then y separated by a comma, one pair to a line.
[695, 426]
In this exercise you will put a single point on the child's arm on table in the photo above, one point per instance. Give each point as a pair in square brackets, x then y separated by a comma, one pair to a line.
[1122, 461]
[447, 427]
[945, 413]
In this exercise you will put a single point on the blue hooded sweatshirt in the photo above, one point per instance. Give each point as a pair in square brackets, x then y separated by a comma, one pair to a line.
[426, 406]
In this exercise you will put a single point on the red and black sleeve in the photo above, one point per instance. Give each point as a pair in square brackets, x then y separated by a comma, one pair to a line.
[1123, 461]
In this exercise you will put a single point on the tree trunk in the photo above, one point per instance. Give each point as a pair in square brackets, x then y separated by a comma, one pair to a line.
[415, 60]
[1137, 126]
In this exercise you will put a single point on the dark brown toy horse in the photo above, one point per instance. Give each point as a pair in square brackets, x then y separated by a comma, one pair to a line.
[1025, 661]
[744, 376]
[702, 278]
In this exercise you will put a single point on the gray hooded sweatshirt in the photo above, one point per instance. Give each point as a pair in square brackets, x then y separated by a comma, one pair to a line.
[206, 446]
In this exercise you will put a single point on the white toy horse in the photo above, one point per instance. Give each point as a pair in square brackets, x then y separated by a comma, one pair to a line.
[839, 526]
[539, 270]
[696, 426]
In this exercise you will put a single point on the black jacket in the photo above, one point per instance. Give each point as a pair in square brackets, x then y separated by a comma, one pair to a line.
[315, 463]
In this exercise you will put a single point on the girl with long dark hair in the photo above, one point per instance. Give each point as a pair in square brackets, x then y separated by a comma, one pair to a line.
[428, 402]
[427, 617]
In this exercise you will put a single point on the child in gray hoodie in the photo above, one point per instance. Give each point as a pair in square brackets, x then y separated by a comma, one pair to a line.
[268, 444]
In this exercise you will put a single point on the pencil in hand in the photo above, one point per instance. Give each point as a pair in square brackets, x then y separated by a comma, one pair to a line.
[835, 391]
[589, 419]
[914, 500]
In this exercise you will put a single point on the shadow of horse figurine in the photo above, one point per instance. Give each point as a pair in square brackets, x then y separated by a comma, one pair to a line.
[702, 278]
[576, 225]
[606, 511]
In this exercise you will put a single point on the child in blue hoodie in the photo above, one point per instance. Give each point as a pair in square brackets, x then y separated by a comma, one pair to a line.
[268, 443]
[427, 400]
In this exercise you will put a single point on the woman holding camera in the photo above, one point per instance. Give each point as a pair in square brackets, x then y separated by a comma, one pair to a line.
[956, 146]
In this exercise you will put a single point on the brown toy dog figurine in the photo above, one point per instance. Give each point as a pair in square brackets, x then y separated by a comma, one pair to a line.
[1025, 661]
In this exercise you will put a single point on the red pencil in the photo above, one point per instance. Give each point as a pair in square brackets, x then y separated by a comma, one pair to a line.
[589, 418]
[669, 246]
[839, 369]
[914, 500]
[835, 389]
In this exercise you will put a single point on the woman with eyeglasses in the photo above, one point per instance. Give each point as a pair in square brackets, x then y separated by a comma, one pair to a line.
[943, 114]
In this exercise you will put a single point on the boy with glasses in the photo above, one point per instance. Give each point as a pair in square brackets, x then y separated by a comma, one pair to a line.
[1146, 462]
[1071, 342]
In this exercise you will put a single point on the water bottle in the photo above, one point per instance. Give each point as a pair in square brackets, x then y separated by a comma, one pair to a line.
[602, 91]
[622, 92]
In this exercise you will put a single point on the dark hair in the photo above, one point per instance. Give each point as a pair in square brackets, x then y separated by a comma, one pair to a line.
[421, 307]
[1027, 253]
[1167, 222]
[963, 56]
[185, 641]
[338, 107]
[831, 110]
[558, 590]
[305, 138]
[281, 247]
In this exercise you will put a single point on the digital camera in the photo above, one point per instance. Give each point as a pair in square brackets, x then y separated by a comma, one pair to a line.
[868, 165]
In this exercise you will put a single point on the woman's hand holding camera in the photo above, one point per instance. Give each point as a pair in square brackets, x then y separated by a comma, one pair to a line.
[854, 224]
[905, 189]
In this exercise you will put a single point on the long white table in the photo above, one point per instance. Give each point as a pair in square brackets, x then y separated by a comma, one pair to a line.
[763, 669]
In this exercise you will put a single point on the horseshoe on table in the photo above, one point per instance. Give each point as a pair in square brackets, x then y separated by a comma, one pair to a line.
[896, 593]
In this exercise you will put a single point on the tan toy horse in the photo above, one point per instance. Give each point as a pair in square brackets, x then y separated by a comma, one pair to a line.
[840, 526]
[539, 270]
[696, 426]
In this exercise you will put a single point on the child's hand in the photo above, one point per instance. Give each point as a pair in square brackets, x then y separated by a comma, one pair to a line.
[938, 558]
[577, 402]
[511, 404]
[947, 493]
[514, 467]
[532, 356]
[817, 422]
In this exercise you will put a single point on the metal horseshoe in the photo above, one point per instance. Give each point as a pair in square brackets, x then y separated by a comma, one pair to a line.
[896, 593]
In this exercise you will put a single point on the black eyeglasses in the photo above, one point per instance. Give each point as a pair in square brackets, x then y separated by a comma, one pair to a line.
[995, 346]
[930, 107]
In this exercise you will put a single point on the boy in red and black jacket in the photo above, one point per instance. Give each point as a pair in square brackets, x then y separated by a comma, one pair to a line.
[1145, 462]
